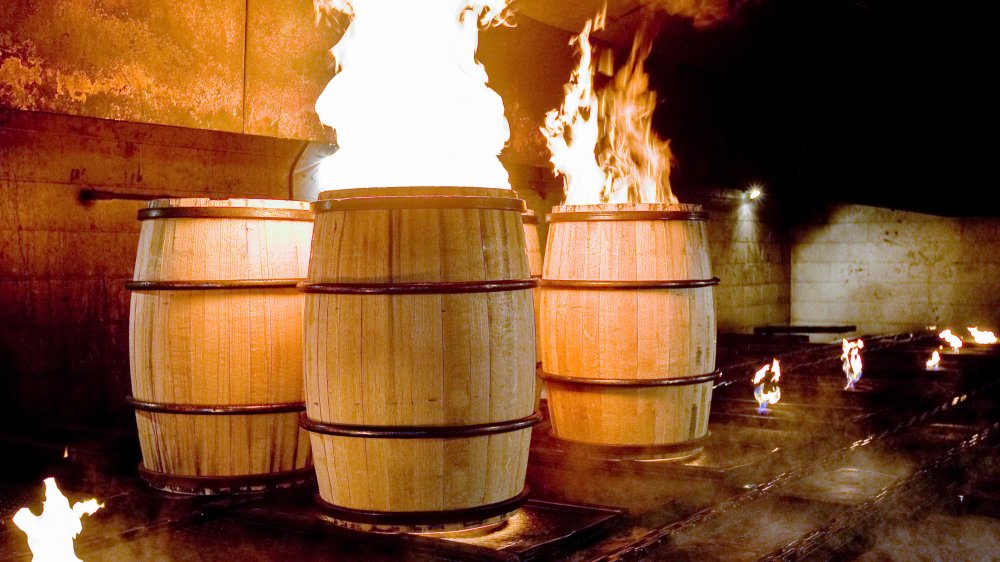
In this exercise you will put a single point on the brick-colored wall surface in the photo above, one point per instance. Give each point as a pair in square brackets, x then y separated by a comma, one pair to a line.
[894, 271]
[64, 332]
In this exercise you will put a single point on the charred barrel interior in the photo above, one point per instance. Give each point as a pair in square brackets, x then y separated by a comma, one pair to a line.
[493, 280]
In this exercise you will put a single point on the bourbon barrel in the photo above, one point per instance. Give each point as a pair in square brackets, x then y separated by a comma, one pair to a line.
[419, 357]
[215, 341]
[534, 247]
[628, 328]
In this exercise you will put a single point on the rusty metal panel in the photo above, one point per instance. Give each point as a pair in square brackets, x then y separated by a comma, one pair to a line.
[288, 65]
[174, 63]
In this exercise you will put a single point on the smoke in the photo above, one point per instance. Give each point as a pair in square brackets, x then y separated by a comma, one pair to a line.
[702, 13]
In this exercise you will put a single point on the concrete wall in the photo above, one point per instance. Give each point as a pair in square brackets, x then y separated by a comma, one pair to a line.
[750, 255]
[894, 271]
[64, 329]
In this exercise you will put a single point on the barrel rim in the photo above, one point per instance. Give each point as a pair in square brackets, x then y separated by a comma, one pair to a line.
[631, 383]
[417, 431]
[245, 483]
[217, 284]
[413, 202]
[417, 191]
[421, 288]
[214, 409]
[529, 217]
[629, 284]
[472, 515]
[254, 213]
[581, 216]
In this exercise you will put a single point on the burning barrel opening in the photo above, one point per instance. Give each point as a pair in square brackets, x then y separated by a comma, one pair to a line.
[418, 357]
[215, 344]
[628, 328]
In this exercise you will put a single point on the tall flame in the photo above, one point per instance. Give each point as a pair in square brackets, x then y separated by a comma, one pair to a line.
[982, 337]
[767, 390]
[851, 358]
[953, 341]
[571, 131]
[409, 102]
[934, 361]
[603, 144]
[51, 534]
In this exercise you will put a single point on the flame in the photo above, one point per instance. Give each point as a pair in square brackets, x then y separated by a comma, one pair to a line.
[409, 102]
[603, 144]
[934, 361]
[51, 534]
[767, 391]
[851, 358]
[954, 341]
[571, 131]
[982, 337]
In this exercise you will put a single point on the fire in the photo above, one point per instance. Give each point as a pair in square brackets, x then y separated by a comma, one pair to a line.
[954, 341]
[409, 102]
[934, 361]
[51, 534]
[603, 144]
[766, 389]
[851, 358]
[982, 337]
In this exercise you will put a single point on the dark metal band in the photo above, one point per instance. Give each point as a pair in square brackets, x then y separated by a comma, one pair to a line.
[678, 284]
[632, 383]
[301, 215]
[226, 484]
[470, 515]
[578, 216]
[212, 285]
[431, 288]
[417, 431]
[640, 450]
[407, 202]
[217, 409]
[529, 219]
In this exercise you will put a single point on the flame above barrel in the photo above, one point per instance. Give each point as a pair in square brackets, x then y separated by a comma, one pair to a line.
[603, 143]
[409, 102]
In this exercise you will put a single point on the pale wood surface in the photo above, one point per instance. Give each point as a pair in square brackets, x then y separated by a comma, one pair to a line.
[628, 334]
[219, 347]
[437, 359]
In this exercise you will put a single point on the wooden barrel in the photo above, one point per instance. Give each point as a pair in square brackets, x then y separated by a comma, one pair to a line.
[215, 341]
[534, 247]
[420, 367]
[628, 328]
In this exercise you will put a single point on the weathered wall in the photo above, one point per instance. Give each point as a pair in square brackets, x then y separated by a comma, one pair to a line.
[64, 335]
[895, 271]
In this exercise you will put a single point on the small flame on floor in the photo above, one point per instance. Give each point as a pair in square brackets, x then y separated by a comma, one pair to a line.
[934, 361]
[982, 337]
[851, 358]
[766, 390]
[51, 534]
[954, 341]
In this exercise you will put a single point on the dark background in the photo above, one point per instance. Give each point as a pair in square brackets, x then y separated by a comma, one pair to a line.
[880, 102]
